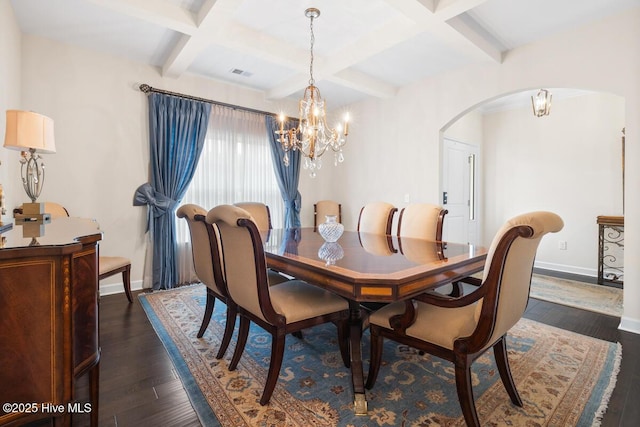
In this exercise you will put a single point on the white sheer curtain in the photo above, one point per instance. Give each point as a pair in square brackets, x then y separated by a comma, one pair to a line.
[235, 166]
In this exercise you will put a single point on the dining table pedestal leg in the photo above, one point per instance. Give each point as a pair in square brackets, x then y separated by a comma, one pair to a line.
[355, 349]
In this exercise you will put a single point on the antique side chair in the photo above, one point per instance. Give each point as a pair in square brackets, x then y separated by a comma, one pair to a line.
[461, 329]
[279, 309]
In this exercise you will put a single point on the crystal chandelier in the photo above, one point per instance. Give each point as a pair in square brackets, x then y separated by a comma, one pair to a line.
[312, 137]
[541, 103]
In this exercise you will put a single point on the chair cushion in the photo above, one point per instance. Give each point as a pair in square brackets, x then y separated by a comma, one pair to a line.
[109, 263]
[437, 325]
[297, 300]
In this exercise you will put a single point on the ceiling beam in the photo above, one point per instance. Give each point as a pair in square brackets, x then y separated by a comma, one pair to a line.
[364, 83]
[213, 19]
[420, 12]
[482, 41]
[447, 9]
[247, 41]
[163, 14]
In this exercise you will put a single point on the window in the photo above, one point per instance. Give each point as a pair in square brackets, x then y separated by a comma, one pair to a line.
[235, 166]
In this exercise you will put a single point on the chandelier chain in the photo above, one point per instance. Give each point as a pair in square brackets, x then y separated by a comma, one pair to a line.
[313, 39]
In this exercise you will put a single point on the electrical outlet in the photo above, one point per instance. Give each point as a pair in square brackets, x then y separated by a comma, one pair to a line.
[562, 245]
[407, 198]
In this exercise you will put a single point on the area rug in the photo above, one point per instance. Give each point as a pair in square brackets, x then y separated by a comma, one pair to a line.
[587, 296]
[564, 379]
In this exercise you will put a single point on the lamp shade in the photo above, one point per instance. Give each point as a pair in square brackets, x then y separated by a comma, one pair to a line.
[28, 130]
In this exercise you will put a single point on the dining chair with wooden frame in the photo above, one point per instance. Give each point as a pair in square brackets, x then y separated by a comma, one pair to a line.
[461, 329]
[422, 221]
[376, 218]
[262, 217]
[323, 208]
[205, 248]
[260, 213]
[279, 309]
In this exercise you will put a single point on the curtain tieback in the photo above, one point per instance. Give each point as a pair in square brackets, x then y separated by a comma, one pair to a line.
[158, 203]
[296, 203]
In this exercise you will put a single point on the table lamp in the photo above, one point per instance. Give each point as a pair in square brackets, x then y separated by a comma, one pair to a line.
[31, 133]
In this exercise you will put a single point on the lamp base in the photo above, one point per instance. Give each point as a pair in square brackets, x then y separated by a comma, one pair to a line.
[32, 212]
[43, 218]
[32, 208]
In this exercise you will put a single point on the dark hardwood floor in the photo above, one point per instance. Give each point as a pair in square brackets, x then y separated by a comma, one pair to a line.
[139, 387]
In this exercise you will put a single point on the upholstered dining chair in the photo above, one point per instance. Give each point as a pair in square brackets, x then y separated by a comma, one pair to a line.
[279, 309]
[461, 329]
[376, 217]
[107, 265]
[205, 248]
[422, 221]
[260, 213]
[262, 218]
[323, 208]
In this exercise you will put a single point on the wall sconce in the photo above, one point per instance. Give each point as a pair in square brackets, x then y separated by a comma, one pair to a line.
[31, 133]
[541, 103]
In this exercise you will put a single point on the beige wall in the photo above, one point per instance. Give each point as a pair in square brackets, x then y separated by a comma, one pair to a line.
[467, 129]
[397, 150]
[569, 162]
[10, 83]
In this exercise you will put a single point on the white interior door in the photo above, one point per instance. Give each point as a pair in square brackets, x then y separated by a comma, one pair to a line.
[459, 191]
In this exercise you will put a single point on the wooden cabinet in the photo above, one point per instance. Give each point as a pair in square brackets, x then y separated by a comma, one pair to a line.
[48, 320]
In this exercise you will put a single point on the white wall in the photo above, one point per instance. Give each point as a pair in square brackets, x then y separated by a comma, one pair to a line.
[569, 162]
[396, 152]
[10, 80]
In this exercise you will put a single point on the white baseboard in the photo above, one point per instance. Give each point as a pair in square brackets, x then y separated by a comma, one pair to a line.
[630, 325]
[118, 288]
[591, 272]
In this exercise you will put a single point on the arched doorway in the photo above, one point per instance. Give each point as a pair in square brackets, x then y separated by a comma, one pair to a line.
[569, 162]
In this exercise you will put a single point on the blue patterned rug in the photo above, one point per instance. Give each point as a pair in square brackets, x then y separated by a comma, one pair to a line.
[564, 379]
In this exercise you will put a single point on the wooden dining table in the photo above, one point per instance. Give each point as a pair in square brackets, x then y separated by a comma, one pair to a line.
[369, 268]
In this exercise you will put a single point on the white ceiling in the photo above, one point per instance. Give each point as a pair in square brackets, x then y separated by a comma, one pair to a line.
[363, 48]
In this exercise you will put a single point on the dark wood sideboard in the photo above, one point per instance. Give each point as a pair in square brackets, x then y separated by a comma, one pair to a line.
[48, 320]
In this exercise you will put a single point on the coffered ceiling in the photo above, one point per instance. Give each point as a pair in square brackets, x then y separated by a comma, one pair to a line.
[363, 48]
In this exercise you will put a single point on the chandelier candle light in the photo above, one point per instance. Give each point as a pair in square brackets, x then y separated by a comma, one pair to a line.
[313, 137]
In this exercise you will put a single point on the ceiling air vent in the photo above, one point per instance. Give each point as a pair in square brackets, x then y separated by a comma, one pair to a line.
[240, 72]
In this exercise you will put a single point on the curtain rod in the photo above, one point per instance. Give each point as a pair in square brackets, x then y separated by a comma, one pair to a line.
[148, 89]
